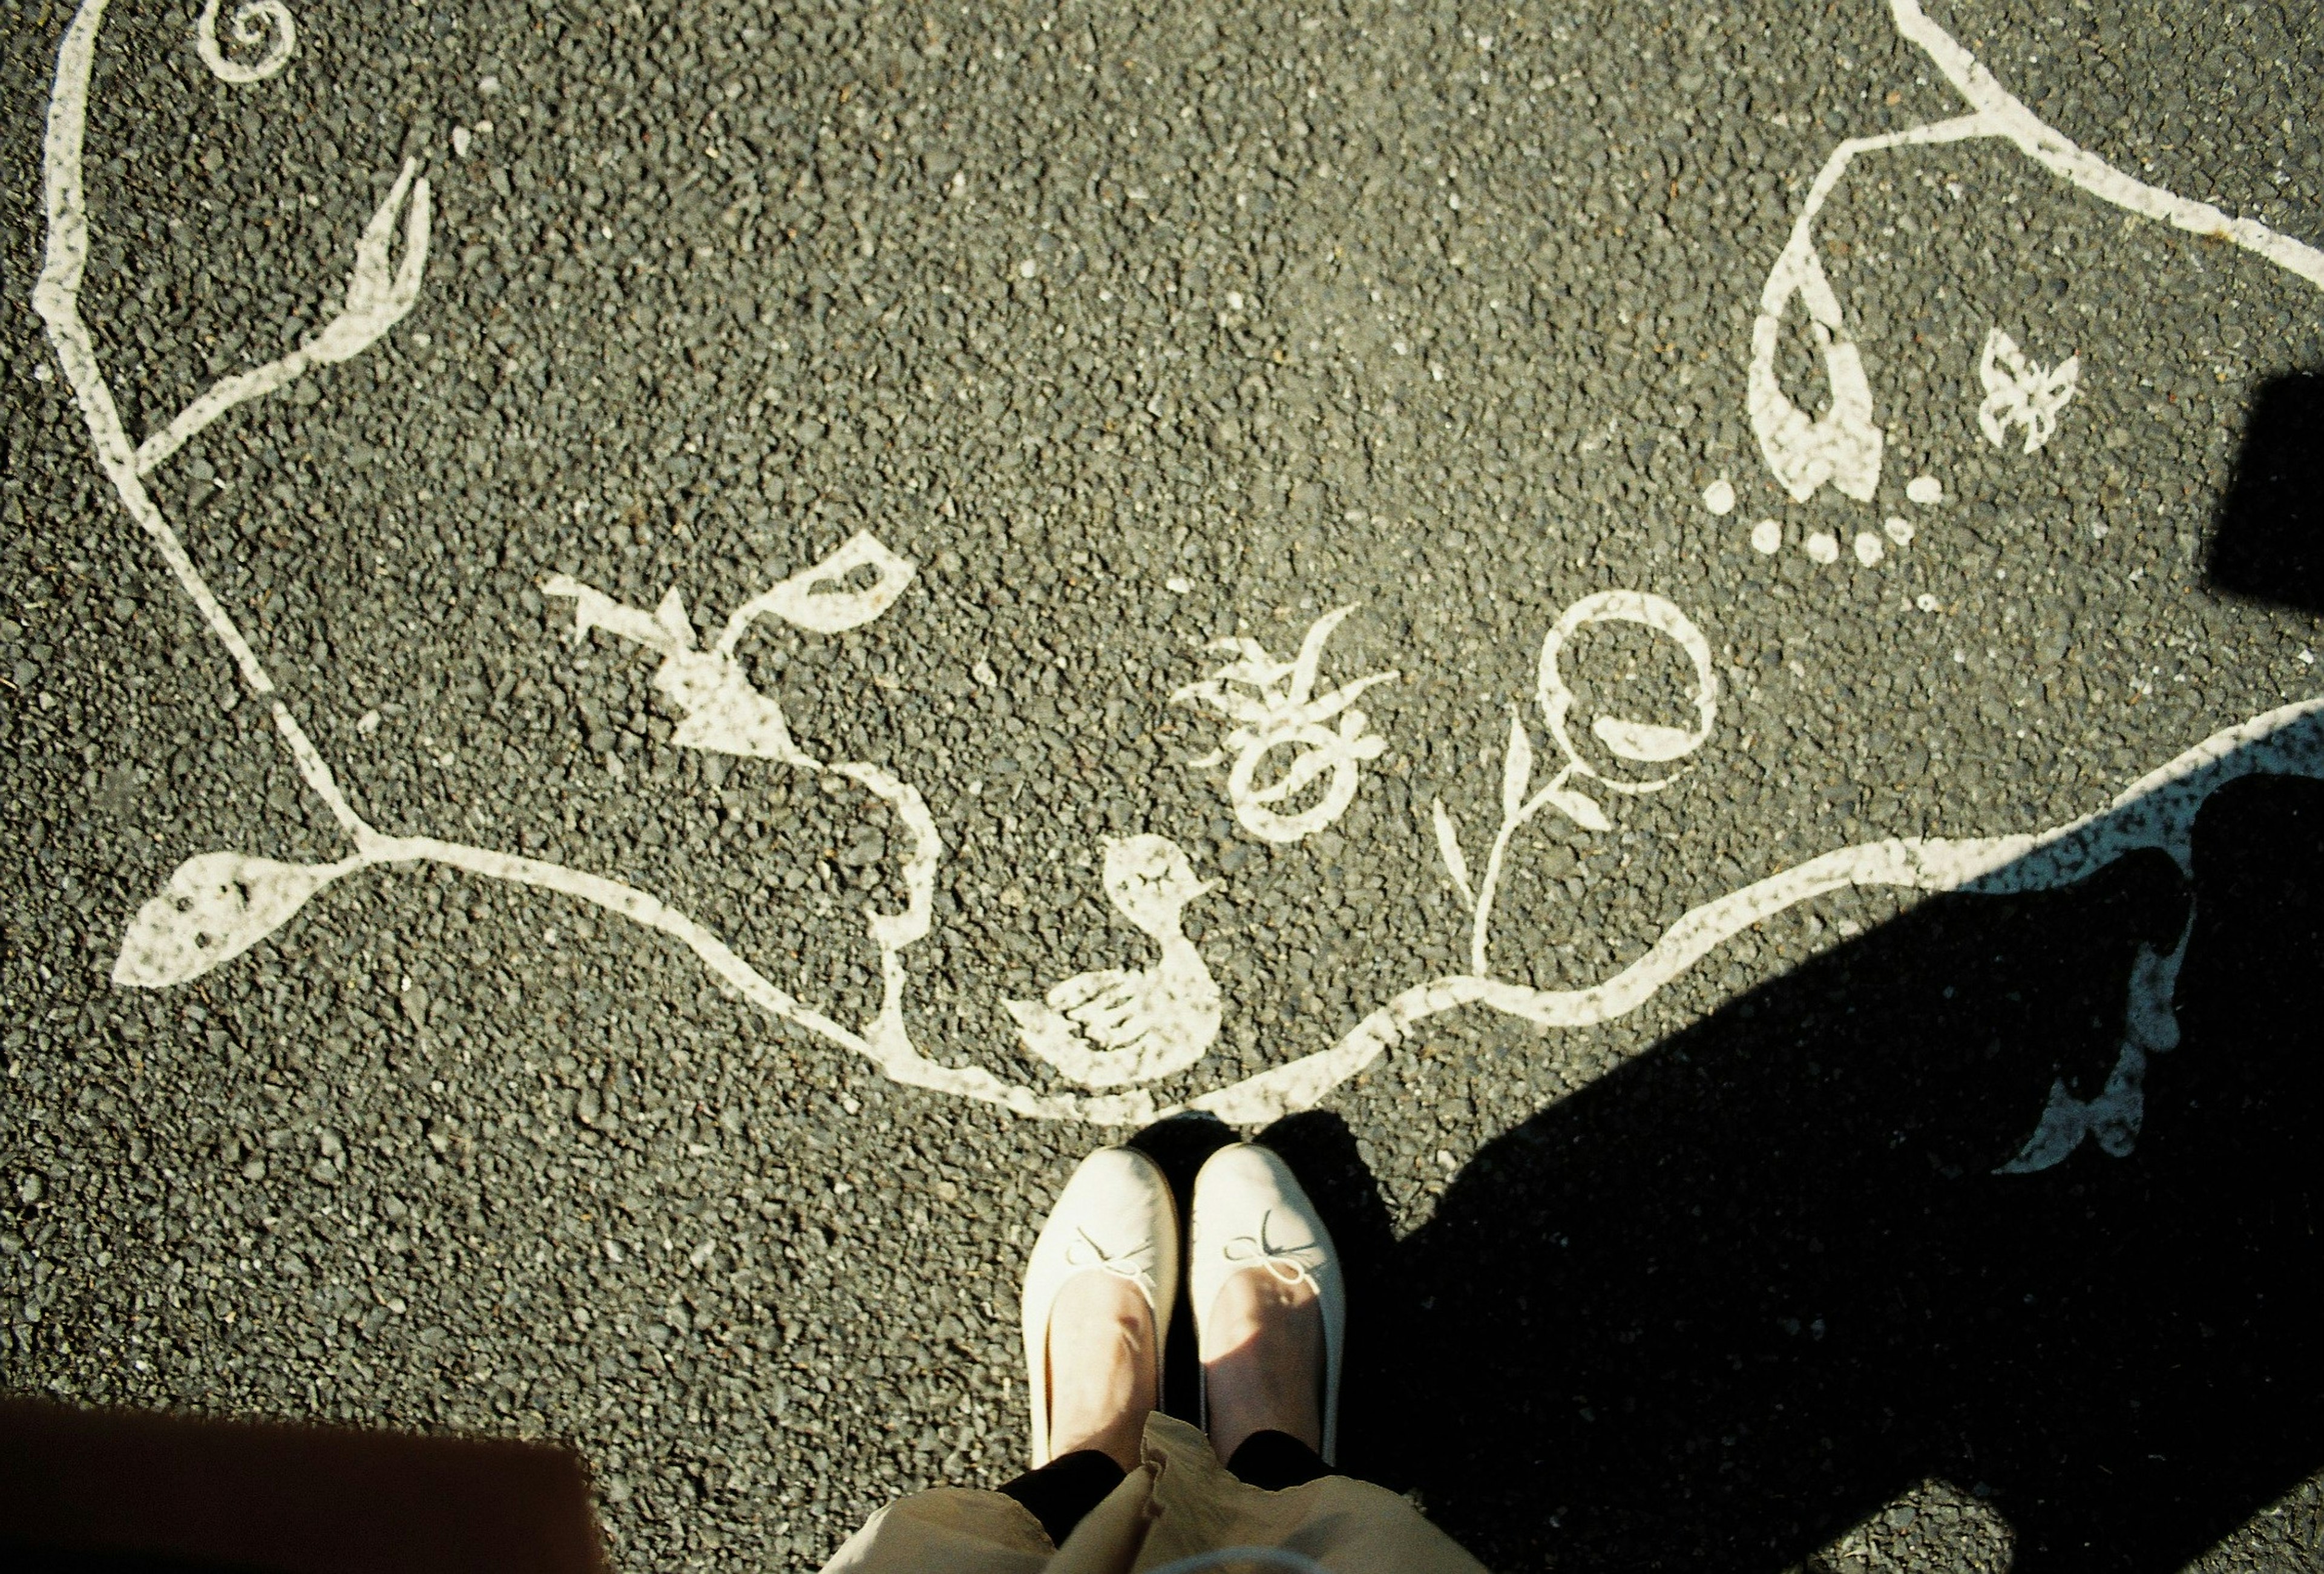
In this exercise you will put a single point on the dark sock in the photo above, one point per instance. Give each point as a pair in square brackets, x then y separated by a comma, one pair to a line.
[1276, 1460]
[1065, 1488]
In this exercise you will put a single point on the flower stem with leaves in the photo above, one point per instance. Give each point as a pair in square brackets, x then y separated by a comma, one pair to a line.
[1516, 808]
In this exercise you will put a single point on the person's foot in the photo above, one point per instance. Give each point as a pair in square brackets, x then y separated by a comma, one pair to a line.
[1106, 1258]
[1263, 1277]
[1263, 1360]
[1101, 1366]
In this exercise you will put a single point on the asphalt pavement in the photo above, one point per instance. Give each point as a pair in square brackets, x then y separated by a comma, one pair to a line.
[654, 661]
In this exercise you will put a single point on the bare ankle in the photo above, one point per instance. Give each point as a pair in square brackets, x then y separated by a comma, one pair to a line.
[1264, 1364]
[1101, 1350]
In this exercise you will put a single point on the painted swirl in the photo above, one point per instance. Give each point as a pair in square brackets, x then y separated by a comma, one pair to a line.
[255, 22]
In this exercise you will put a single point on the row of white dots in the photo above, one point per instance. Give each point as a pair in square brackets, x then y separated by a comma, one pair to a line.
[1823, 547]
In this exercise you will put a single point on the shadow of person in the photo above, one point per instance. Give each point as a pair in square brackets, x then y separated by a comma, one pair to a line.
[1728, 1300]
[2267, 543]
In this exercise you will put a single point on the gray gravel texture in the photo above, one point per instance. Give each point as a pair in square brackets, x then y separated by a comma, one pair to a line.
[1438, 310]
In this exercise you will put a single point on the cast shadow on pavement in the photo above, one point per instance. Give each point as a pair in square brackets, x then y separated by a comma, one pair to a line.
[1727, 1302]
[1724, 1303]
[2267, 544]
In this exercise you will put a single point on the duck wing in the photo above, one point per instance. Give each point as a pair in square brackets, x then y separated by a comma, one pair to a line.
[1112, 1005]
[1049, 1036]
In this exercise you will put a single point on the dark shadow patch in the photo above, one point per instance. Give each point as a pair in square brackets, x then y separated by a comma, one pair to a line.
[2267, 543]
[1727, 1302]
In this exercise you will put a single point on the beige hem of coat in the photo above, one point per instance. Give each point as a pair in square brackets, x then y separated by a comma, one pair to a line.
[1181, 1501]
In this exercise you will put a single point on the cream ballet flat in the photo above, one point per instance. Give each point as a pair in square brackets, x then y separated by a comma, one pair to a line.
[1250, 1211]
[1115, 1216]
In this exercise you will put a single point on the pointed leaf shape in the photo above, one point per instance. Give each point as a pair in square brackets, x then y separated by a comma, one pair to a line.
[1448, 843]
[216, 906]
[1517, 770]
[813, 598]
[1582, 811]
[1644, 740]
[378, 297]
[1842, 445]
[670, 613]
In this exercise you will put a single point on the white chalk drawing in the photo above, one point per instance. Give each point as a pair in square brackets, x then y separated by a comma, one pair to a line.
[1119, 1025]
[2156, 812]
[1843, 446]
[2019, 392]
[1638, 742]
[721, 711]
[1273, 705]
[217, 904]
[255, 22]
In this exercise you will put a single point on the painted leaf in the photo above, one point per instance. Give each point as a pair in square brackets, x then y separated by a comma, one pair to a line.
[216, 906]
[1582, 811]
[817, 599]
[1517, 770]
[1643, 740]
[1448, 843]
[1843, 445]
[379, 294]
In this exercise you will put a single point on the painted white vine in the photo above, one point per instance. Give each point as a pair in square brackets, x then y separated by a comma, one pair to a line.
[1842, 447]
[1116, 1028]
[1637, 742]
[217, 904]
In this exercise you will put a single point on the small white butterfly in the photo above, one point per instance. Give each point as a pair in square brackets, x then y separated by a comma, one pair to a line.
[2021, 393]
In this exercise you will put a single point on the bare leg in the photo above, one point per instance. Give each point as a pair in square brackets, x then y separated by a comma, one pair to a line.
[1263, 1360]
[1101, 1346]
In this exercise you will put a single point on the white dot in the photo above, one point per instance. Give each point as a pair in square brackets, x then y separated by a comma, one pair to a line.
[1926, 602]
[1868, 548]
[1719, 497]
[1028, 268]
[1899, 531]
[1822, 547]
[1178, 587]
[1766, 536]
[1925, 489]
[1234, 300]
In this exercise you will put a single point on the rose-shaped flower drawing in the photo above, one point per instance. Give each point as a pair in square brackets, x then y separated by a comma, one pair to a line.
[1647, 743]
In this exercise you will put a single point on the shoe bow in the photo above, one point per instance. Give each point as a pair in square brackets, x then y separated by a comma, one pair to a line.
[1290, 1264]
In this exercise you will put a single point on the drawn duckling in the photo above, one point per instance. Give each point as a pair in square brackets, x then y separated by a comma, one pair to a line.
[1117, 1026]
